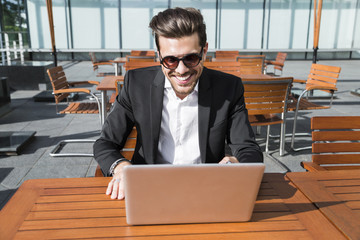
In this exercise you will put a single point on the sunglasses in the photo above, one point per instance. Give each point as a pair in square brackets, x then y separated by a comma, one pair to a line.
[190, 60]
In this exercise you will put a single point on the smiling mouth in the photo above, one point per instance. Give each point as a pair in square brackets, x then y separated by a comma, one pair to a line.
[182, 80]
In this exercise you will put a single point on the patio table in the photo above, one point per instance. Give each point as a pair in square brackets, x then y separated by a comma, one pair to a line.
[336, 194]
[118, 62]
[106, 84]
[70, 208]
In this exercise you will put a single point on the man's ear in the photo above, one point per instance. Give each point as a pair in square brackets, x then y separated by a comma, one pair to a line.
[205, 49]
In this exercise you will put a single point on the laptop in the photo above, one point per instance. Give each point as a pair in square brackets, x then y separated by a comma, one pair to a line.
[200, 193]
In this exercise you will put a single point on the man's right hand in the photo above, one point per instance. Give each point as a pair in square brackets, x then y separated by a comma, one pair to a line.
[116, 186]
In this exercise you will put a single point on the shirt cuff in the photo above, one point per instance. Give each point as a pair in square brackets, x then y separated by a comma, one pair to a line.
[117, 162]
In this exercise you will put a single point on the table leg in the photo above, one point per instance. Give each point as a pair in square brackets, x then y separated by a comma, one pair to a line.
[116, 65]
[103, 106]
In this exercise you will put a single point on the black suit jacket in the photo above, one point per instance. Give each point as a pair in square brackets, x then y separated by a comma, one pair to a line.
[222, 117]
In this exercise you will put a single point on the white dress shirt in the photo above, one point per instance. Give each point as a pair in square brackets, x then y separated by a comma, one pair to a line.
[179, 133]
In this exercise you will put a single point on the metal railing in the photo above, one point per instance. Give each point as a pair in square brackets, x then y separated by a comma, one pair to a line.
[11, 50]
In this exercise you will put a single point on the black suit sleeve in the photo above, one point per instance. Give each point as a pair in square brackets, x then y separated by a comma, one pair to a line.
[116, 128]
[240, 136]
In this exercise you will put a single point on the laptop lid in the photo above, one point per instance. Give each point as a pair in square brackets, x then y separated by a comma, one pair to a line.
[168, 194]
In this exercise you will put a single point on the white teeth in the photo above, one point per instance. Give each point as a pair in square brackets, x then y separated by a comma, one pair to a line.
[182, 78]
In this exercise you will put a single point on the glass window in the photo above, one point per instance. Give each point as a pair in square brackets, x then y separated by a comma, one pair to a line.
[95, 24]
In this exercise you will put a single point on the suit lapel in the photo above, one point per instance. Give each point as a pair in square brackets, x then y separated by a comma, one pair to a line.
[156, 105]
[205, 98]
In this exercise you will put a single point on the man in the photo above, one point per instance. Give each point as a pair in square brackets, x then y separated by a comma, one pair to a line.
[182, 111]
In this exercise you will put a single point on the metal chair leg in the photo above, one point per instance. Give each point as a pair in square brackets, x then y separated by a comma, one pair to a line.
[63, 142]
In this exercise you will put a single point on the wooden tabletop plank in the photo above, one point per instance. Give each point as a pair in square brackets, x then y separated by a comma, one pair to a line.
[77, 214]
[159, 230]
[73, 198]
[114, 234]
[285, 235]
[72, 191]
[348, 196]
[77, 205]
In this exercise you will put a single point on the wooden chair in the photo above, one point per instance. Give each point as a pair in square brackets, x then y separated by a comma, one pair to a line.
[234, 68]
[321, 77]
[277, 64]
[266, 104]
[336, 143]
[118, 85]
[251, 64]
[127, 151]
[130, 58]
[143, 53]
[97, 63]
[61, 90]
[226, 54]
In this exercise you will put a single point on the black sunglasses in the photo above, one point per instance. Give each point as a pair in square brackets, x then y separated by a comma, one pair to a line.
[190, 60]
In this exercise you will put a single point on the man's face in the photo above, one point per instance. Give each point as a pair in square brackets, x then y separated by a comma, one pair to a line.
[183, 79]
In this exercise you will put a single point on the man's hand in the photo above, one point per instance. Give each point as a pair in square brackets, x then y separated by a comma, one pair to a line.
[116, 185]
[228, 158]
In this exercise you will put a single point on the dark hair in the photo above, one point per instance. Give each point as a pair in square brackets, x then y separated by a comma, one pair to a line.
[178, 23]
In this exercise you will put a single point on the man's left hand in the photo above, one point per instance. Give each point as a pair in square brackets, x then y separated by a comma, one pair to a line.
[227, 159]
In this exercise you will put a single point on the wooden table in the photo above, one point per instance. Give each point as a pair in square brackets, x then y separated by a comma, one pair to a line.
[78, 208]
[336, 194]
[106, 84]
[118, 62]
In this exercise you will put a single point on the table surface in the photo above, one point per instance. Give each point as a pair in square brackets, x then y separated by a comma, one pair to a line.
[336, 194]
[118, 60]
[108, 83]
[78, 208]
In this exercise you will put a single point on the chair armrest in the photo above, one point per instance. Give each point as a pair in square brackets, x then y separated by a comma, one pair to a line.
[84, 82]
[299, 81]
[102, 63]
[268, 62]
[72, 90]
[312, 167]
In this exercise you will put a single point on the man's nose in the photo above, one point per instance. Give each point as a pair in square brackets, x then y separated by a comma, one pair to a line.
[181, 68]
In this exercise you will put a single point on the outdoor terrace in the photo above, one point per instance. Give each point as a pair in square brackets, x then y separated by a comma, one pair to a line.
[34, 161]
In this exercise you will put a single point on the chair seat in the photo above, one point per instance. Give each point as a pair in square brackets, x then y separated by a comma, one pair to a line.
[264, 119]
[304, 104]
[81, 107]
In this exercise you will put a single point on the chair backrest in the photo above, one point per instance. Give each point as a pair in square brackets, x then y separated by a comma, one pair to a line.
[208, 58]
[93, 60]
[336, 142]
[228, 67]
[58, 81]
[267, 97]
[226, 54]
[252, 64]
[93, 57]
[280, 59]
[127, 151]
[323, 75]
[130, 58]
[142, 53]
[134, 64]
